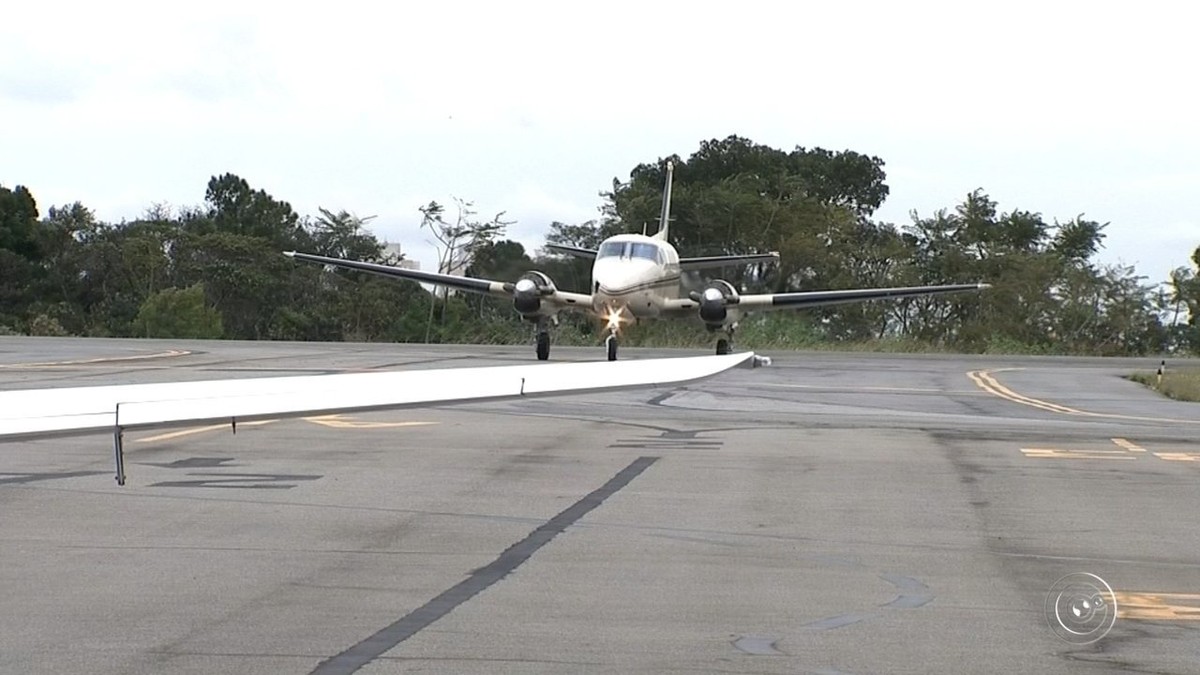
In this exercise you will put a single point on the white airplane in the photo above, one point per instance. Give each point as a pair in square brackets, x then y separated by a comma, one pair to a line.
[115, 409]
[637, 277]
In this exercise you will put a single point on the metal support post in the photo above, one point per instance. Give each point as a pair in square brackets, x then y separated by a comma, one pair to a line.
[119, 445]
[119, 451]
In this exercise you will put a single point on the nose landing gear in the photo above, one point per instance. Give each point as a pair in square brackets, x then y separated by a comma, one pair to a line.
[610, 346]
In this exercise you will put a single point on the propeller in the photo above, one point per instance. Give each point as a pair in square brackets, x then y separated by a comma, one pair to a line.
[714, 301]
[528, 291]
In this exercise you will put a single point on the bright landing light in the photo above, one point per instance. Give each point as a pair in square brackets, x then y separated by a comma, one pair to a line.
[614, 318]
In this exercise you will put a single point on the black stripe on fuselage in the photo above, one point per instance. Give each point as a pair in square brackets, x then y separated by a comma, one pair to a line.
[646, 285]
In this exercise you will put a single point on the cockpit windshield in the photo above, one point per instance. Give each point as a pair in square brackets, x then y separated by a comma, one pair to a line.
[645, 251]
[629, 249]
[612, 249]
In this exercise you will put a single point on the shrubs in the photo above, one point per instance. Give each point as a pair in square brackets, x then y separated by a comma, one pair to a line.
[178, 313]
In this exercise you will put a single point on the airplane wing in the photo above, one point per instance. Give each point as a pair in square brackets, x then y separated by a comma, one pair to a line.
[114, 409]
[575, 251]
[804, 299]
[502, 289]
[712, 261]
[768, 301]
[484, 286]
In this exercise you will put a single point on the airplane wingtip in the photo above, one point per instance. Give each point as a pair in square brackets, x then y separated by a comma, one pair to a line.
[982, 286]
[290, 254]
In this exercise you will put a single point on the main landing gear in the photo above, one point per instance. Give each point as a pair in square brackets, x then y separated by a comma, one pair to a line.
[543, 341]
[610, 346]
[725, 344]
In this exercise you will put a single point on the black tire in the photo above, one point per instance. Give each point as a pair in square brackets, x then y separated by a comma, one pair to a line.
[610, 344]
[543, 346]
[723, 347]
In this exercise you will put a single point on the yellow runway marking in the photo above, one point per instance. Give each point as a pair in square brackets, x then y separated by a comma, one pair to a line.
[331, 421]
[1054, 453]
[1130, 446]
[1130, 451]
[985, 381]
[345, 422]
[902, 390]
[1158, 606]
[199, 430]
[103, 359]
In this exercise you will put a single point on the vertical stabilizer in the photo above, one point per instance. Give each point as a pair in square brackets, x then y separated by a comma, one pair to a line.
[664, 220]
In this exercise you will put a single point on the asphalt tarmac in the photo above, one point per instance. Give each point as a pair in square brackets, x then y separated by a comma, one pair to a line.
[834, 513]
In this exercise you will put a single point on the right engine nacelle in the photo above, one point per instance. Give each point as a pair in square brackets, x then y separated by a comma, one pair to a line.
[715, 301]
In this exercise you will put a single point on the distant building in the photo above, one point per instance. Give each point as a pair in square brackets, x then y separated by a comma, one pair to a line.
[457, 266]
[393, 253]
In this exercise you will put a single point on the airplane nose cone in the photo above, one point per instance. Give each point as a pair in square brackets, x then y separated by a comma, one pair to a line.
[618, 278]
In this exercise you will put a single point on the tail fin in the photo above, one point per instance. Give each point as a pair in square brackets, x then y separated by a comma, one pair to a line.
[664, 220]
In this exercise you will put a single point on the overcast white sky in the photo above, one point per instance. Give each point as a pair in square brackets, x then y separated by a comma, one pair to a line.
[534, 107]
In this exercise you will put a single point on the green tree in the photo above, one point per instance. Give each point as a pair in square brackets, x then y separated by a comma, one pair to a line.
[1185, 297]
[20, 269]
[18, 222]
[1047, 295]
[246, 277]
[116, 267]
[344, 235]
[458, 241]
[734, 195]
[179, 313]
[234, 208]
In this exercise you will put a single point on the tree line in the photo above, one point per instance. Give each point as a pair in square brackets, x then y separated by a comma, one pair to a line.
[215, 270]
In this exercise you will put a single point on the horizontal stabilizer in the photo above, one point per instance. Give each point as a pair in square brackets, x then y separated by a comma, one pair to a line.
[714, 261]
[575, 251]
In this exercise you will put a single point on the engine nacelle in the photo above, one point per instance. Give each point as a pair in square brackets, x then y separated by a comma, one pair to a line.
[528, 292]
[714, 302]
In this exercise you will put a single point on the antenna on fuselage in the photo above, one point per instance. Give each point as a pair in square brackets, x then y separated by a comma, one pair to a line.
[664, 220]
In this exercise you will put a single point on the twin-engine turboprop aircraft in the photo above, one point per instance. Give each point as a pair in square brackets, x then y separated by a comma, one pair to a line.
[638, 277]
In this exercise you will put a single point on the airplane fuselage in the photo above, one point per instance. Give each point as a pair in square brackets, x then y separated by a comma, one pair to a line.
[634, 274]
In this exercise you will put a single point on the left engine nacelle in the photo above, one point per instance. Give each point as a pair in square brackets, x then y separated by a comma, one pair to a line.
[528, 293]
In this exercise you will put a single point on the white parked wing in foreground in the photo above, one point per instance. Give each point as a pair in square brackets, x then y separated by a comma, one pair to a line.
[83, 410]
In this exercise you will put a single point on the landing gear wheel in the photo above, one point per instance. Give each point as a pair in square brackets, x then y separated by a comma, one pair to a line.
[723, 347]
[543, 346]
[610, 344]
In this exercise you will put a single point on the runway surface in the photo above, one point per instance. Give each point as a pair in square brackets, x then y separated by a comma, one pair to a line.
[834, 513]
